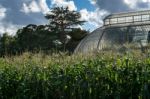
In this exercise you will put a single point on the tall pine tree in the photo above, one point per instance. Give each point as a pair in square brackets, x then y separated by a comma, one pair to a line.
[61, 21]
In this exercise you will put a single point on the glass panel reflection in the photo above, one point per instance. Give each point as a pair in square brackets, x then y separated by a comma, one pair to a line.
[137, 18]
[121, 20]
[113, 21]
[129, 19]
[145, 17]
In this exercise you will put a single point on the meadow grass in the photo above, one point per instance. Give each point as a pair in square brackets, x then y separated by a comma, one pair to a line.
[99, 75]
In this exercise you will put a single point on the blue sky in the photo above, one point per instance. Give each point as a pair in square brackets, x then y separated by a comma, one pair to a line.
[81, 4]
[15, 14]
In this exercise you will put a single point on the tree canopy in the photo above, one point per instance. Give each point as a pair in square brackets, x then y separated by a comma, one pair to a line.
[48, 37]
[62, 21]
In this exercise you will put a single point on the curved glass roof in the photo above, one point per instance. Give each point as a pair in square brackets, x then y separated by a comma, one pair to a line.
[90, 42]
[115, 38]
[123, 29]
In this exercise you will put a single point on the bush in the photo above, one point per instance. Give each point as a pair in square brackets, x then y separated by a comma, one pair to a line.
[75, 77]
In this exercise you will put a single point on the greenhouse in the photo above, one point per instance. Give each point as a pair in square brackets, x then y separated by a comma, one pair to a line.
[120, 30]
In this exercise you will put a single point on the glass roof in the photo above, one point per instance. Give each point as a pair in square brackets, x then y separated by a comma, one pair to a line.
[140, 17]
[115, 38]
[130, 29]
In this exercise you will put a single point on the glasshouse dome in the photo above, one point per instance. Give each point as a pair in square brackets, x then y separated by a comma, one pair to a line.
[129, 30]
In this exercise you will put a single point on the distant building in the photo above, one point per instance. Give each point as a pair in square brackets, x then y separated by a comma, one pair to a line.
[119, 30]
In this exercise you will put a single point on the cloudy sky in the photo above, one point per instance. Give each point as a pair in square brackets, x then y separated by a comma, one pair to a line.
[15, 14]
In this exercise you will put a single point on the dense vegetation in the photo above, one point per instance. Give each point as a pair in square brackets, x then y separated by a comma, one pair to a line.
[36, 75]
[60, 34]
[59, 76]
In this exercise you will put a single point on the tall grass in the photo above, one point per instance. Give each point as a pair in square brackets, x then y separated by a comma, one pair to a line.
[59, 76]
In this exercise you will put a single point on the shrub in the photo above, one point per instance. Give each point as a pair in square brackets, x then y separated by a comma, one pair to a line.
[75, 77]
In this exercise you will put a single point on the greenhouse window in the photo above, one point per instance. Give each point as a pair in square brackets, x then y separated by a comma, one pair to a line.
[107, 22]
[121, 20]
[113, 21]
[137, 18]
[145, 17]
[129, 19]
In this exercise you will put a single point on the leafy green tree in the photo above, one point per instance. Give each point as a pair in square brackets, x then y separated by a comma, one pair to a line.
[26, 38]
[60, 34]
[62, 21]
[7, 45]
[76, 36]
[35, 38]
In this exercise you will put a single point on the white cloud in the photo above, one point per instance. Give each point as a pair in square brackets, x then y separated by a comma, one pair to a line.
[25, 8]
[2, 29]
[24, 12]
[145, 1]
[17, 13]
[64, 3]
[8, 28]
[2, 12]
[137, 4]
[35, 7]
[57, 1]
[93, 17]
[43, 6]
[84, 14]
[11, 29]
[131, 3]
[93, 2]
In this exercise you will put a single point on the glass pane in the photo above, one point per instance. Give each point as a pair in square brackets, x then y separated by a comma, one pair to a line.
[137, 18]
[113, 21]
[129, 19]
[107, 22]
[121, 20]
[145, 17]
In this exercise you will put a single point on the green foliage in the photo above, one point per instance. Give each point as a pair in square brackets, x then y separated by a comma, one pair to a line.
[75, 77]
[7, 45]
[34, 38]
[61, 20]
[46, 38]
[78, 34]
